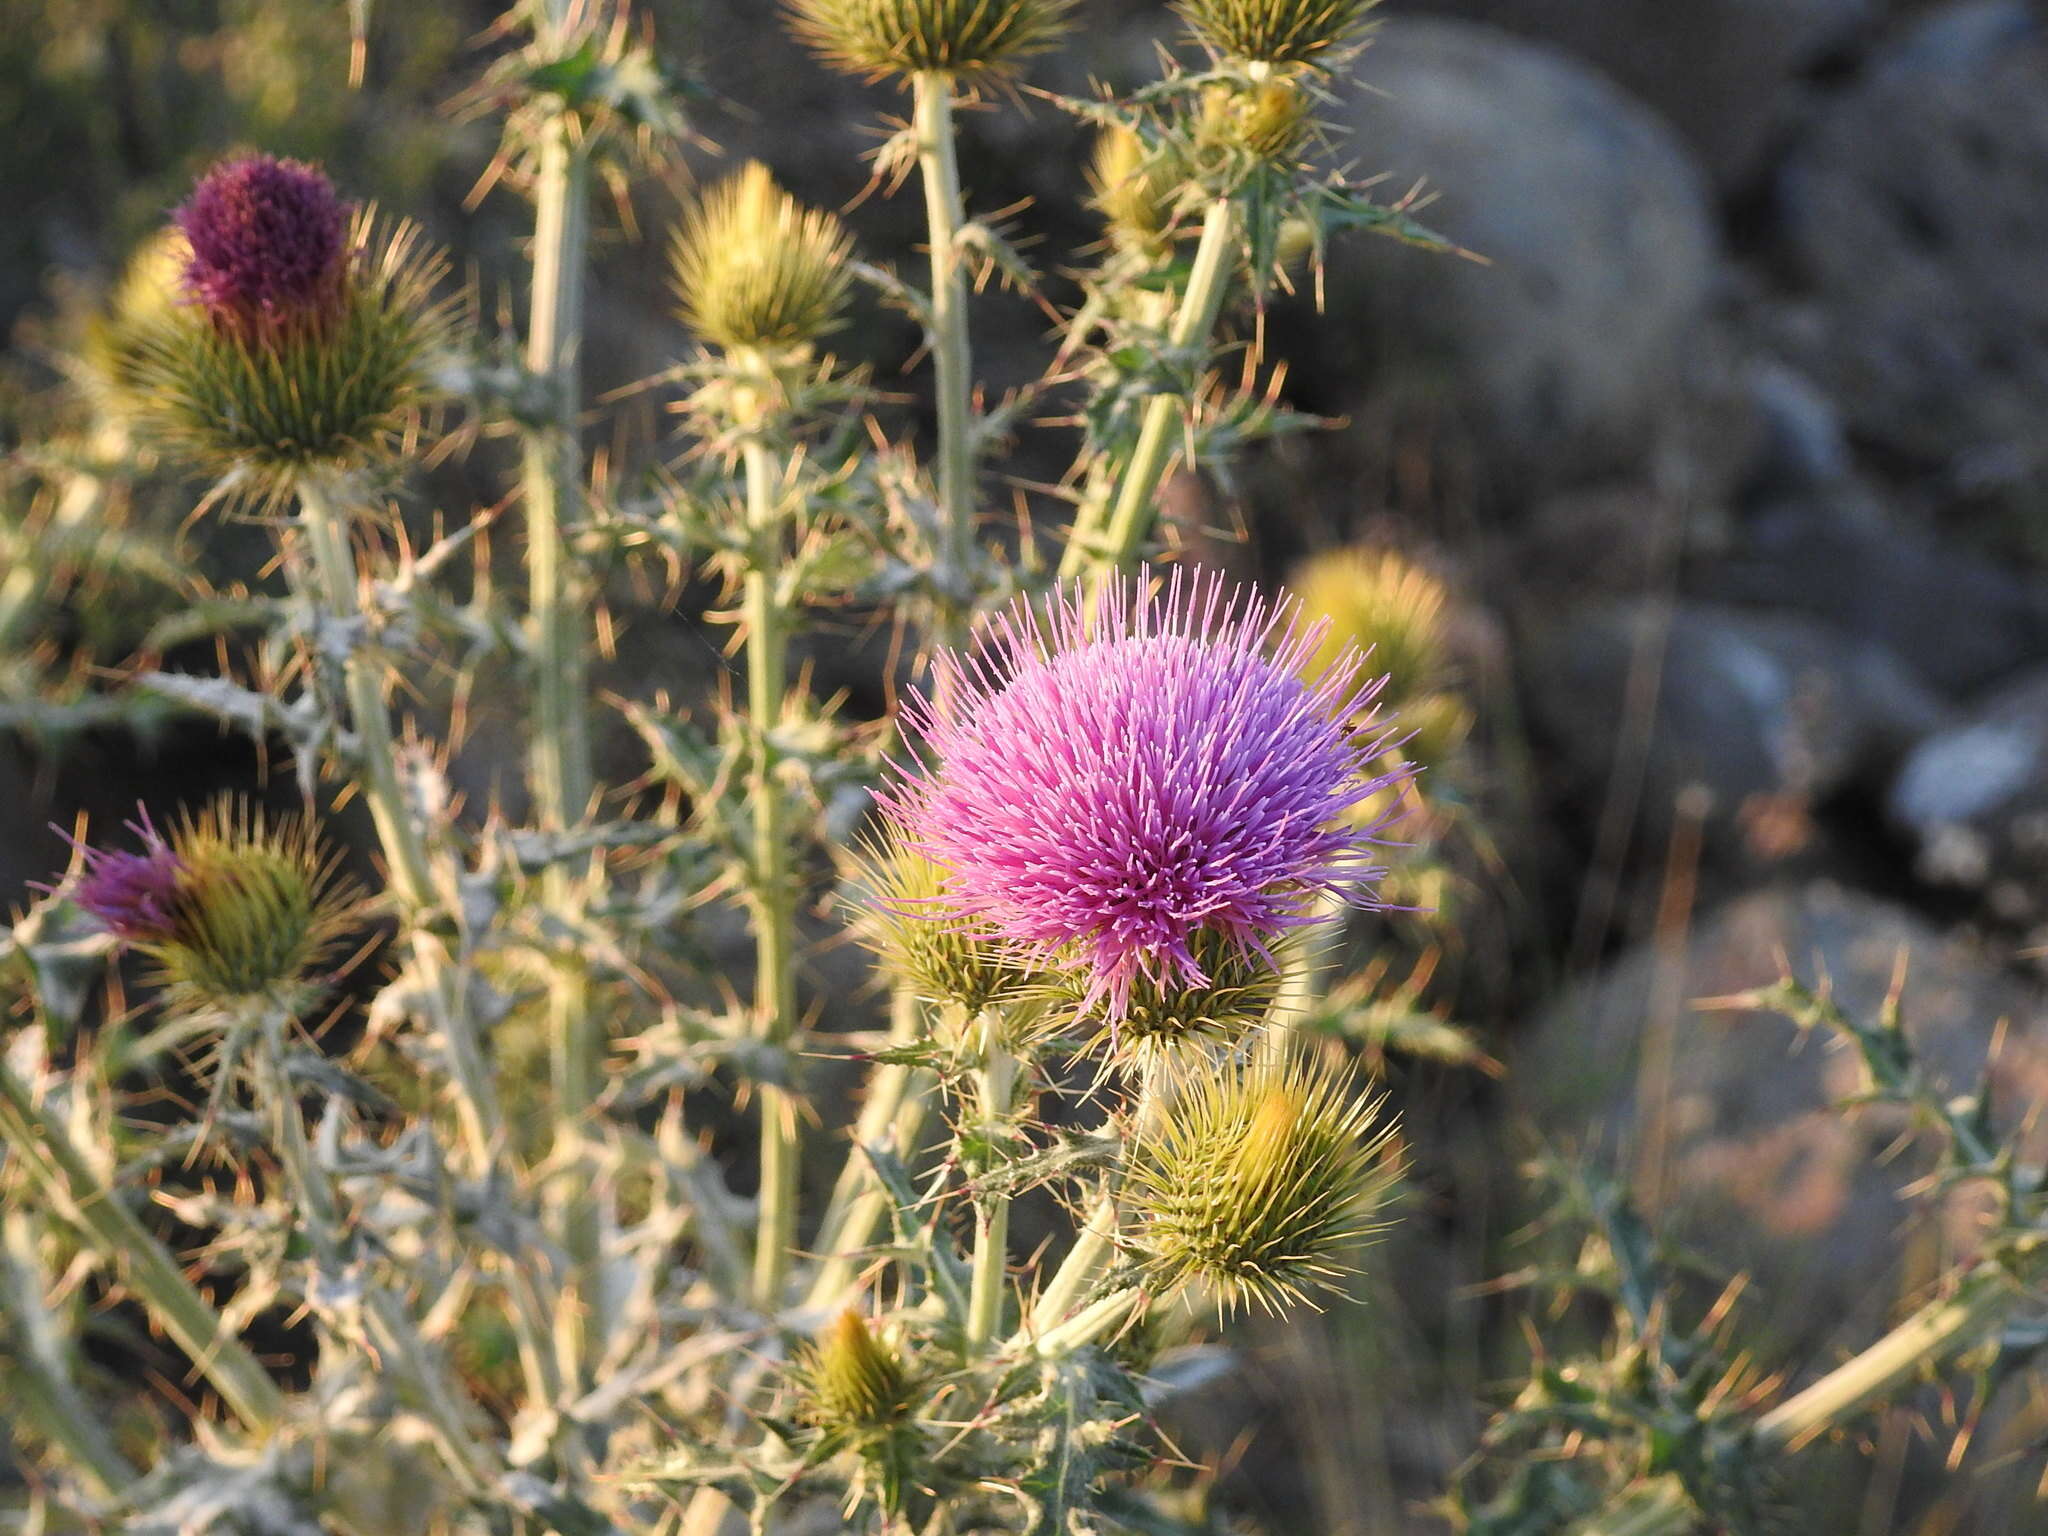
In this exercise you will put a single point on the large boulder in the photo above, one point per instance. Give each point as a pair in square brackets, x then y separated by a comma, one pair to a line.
[1724, 1118]
[1724, 72]
[1561, 355]
[1974, 799]
[1913, 214]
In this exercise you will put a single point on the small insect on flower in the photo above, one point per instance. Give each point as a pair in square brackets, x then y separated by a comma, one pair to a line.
[303, 336]
[757, 271]
[969, 38]
[1314, 34]
[1258, 1184]
[1114, 786]
[229, 906]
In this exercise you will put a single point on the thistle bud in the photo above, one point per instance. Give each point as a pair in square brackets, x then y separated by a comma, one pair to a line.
[878, 38]
[852, 1381]
[1380, 602]
[229, 907]
[1135, 186]
[948, 959]
[1285, 34]
[1230, 996]
[756, 270]
[299, 336]
[1268, 124]
[1257, 1183]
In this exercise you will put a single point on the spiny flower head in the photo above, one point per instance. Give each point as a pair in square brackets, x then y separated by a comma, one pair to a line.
[289, 351]
[857, 1395]
[1104, 785]
[945, 958]
[1135, 187]
[1288, 34]
[877, 38]
[756, 270]
[268, 243]
[1257, 1183]
[229, 906]
[1380, 601]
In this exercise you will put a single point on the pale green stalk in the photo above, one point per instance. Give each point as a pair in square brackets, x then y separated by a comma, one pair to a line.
[893, 1115]
[775, 1016]
[997, 1082]
[1094, 1322]
[1078, 1272]
[76, 1194]
[952, 357]
[38, 1378]
[1102, 551]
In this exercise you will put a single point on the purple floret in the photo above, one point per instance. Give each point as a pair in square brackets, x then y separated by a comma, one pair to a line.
[269, 242]
[133, 895]
[1102, 785]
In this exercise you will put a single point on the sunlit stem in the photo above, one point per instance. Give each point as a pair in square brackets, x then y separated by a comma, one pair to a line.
[774, 893]
[1084, 1264]
[43, 1391]
[997, 1084]
[1100, 1320]
[892, 1116]
[952, 357]
[1102, 551]
[44, 1149]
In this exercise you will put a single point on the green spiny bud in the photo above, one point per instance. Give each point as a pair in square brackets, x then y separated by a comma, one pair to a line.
[299, 338]
[1135, 186]
[878, 38]
[1257, 1183]
[1383, 603]
[1268, 123]
[1314, 34]
[853, 1382]
[756, 270]
[946, 958]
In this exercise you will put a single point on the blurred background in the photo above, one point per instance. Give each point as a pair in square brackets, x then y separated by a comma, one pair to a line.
[1729, 463]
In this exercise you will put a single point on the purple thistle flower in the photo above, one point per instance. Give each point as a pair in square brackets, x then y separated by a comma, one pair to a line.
[1106, 783]
[269, 242]
[133, 894]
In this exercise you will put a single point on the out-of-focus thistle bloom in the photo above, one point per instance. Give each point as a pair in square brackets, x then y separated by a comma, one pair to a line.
[269, 245]
[301, 337]
[1314, 34]
[946, 958]
[858, 1395]
[878, 38]
[1269, 123]
[1258, 1184]
[230, 907]
[757, 271]
[1103, 786]
[1135, 187]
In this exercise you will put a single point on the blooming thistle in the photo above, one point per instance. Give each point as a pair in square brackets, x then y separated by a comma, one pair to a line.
[1286, 34]
[1106, 785]
[970, 38]
[229, 906]
[1256, 1185]
[304, 336]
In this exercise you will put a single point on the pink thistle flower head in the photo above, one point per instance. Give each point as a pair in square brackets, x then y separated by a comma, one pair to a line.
[269, 243]
[1107, 783]
[133, 895]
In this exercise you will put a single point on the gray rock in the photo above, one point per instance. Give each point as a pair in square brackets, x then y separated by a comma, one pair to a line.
[1561, 357]
[1960, 620]
[1974, 798]
[1723, 71]
[1752, 707]
[1723, 1116]
[1913, 211]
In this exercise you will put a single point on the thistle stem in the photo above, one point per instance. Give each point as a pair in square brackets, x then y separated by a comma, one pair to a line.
[997, 1080]
[335, 571]
[775, 1018]
[144, 1265]
[1130, 519]
[43, 1391]
[1091, 1323]
[952, 357]
[1084, 1263]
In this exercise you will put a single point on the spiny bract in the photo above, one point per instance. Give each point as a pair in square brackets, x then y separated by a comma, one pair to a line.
[756, 270]
[877, 38]
[1103, 785]
[1287, 33]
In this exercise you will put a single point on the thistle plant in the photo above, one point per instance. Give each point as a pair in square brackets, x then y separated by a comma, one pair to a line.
[1107, 850]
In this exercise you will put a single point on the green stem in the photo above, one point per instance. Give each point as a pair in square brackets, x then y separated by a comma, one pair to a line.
[945, 216]
[1078, 1272]
[1130, 519]
[334, 565]
[775, 1017]
[1091, 1323]
[997, 1080]
[143, 1264]
[39, 1379]
[892, 1115]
